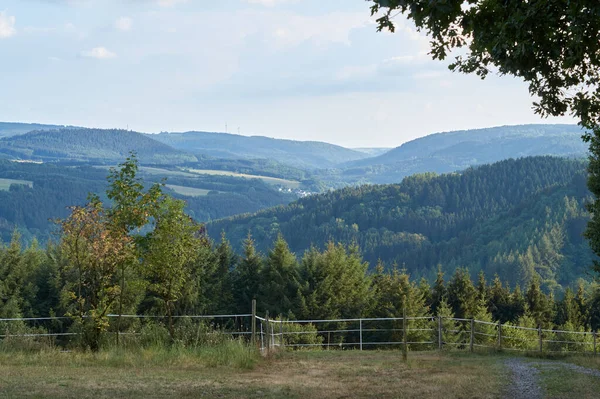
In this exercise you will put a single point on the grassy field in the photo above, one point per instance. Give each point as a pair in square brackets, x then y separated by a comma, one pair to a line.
[5, 183]
[315, 374]
[560, 382]
[188, 191]
[270, 180]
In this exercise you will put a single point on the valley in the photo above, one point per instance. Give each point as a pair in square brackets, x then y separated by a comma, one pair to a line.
[480, 217]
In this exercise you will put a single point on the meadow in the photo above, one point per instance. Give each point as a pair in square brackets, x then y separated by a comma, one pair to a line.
[5, 183]
[267, 179]
[188, 191]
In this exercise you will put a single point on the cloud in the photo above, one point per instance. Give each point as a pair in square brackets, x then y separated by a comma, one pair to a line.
[170, 3]
[100, 53]
[269, 3]
[322, 29]
[124, 24]
[7, 26]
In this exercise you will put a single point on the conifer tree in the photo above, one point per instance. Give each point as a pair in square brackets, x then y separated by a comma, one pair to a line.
[246, 276]
[539, 308]
[279, 277]
[499, 301]
[335, 283]
[451, 330]
[462, 295]
[439, 291]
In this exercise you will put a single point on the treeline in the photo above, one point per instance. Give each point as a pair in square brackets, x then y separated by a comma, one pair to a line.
[185, 273]
[516, 218]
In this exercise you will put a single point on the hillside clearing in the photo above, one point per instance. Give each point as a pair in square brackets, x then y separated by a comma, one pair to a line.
[5, 183]
[267, 179]
[188, 191]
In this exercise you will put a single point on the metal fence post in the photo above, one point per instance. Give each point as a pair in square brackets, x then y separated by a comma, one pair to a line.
[540, 337]
[499, 336]
[268, 335]
[440, 332]
[360, 329]
[472, 340]
[253, 323]
[404, 336]
[262, 337]
[281, 341]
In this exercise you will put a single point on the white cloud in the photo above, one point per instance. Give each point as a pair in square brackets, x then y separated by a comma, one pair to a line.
[322, 29]
[7, 26]
[100, 53]
[269, 3]
[124, 24]
[170, 3]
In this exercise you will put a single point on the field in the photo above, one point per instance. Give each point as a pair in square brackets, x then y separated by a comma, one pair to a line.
[270, 180]
[188, 191]
[235, 371]
[5, 183]
[310, 374]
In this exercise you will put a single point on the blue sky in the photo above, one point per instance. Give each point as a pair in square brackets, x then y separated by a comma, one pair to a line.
[298, 69]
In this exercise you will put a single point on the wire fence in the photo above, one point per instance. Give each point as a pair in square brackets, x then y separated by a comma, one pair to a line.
[408, 333]
[421, 333]
[127, 329]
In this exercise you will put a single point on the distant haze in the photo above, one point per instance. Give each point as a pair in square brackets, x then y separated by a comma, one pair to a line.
[303, 70]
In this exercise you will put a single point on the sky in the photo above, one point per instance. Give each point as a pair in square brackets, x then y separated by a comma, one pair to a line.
[295, 69]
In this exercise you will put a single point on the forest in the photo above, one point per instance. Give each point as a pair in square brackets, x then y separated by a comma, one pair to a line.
[139, 253]
[32, 209]
[515, 218]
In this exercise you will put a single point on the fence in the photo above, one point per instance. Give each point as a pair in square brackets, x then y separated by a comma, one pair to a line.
[406, 333]
[62, 330]
[420, 333]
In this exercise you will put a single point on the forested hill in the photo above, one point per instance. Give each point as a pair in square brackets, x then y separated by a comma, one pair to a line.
[303, 154]
[514, 218]
[12, 128]
[451, 151]
[90, 145]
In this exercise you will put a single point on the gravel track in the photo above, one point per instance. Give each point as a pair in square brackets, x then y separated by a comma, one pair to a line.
[524, 374]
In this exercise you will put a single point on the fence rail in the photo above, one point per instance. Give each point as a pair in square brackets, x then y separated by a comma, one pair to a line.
[409, 333]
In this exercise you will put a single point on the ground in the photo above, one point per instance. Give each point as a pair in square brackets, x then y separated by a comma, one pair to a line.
[314, 374]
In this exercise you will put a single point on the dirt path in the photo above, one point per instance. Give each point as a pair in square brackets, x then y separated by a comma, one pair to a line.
[525, 376]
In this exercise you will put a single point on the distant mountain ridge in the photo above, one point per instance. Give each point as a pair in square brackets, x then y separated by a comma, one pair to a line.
[303, 154]
[89, 145]
[457, 150]
[8, 129]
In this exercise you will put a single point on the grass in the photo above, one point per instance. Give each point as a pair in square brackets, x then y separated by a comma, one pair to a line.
[302, 374]
[188, 191]
[5, 183]
[270, 180]
[564, 383]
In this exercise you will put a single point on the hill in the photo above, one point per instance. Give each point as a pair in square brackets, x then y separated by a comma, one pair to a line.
[11, 129]
[302, 154]
[89, 145]
[452, 151]
[32, 195]
[514, 218]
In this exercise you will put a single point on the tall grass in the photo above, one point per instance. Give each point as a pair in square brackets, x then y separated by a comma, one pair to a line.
[194, 345]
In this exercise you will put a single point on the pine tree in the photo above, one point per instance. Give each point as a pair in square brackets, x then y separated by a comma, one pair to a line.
[538, 306]
[335, 283]
[246, 277]
[279, 277]
[499, 301]
[462, 295]
[439, 291]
